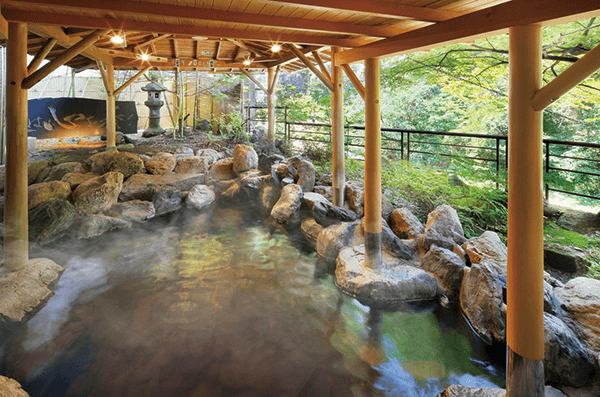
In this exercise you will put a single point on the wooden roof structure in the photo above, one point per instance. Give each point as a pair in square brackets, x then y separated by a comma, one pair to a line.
[219, 35]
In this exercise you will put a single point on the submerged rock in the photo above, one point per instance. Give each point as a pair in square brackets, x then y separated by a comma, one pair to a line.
[335, 237]
[481, 301]
[166, 199]
[404, 224]
[447, 267]
[566, 360]
[487, 248]
[98, 194]
[132, 211]
[11, 388]
[287, 208]
[200, 197]
[161, 163]
[50, 221]
[324, 212]
[394, 281]
[23, 293]
[311, 230]
[95, 225]
[39, 193]
[268, 197]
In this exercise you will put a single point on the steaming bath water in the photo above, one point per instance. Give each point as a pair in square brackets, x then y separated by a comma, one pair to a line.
[223, 304]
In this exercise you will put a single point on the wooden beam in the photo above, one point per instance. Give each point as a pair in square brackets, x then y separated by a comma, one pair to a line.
[63, 58]
[56, 32]
[3, 28]
[184, 63]
[385, 9]
[111, 113]
[273, 82]
[310, 65]
[358, 85]
[324, 70]
[131, 80]
[175, 48]
[192, 30]
[289, 57]
[16, 229]
[151, 41]
[258, 84]
[203, 14]
[235, 53]
[270, 110]
[102, 70]
[487, 22]
[41, 55]
[338, 177]
[567, 80]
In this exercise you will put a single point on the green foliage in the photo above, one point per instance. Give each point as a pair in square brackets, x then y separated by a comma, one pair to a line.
[232, 125]
[554, 234]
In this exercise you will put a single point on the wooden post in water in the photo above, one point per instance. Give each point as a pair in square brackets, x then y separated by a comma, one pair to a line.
[337, 131]
[16, 231]
[111, 116]
[372, 164]
[525, 262]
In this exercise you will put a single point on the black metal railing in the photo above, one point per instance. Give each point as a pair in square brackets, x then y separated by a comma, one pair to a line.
[254, 115]
[427, 147]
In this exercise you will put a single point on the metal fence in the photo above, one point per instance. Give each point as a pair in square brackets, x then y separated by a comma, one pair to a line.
[429, 147]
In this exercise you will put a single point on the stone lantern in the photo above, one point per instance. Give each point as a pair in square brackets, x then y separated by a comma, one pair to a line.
[154, 104]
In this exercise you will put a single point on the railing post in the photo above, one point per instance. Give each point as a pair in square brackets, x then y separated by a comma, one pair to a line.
[402, 145]
[547, 187]
[408, 146]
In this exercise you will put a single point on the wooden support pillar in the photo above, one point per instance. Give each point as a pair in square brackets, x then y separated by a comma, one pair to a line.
[337, 132]
[270, 110]
[525, 262]
[16, 231]
[111, 115]
[372, 164]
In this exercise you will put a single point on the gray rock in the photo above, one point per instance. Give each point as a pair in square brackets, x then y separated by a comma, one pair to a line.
[244, 158]
[183, 152]
[324, 212]
[579, 221]
[141, 186]
[392, 243]
[487, 248]
[287, 181]
[166, 199]
[213, 154]
[551, 304]
[295, 161]
[325, 191]
[443, 228]
[311, 229]
[11, 388]
[33, 171]
[96, 224]
[281, 170]
[393, 281]
[386, 208]
[355, 197]
[405, 225]
[132, 211]
[58, 171]
[23, 293]
[43, 174]
[335, 237]
[580, 303]
[222, 169]
[481, 301]
[566, 360]
[466, 391]
[126, 146]
[268, 196]
[39, 193]
[161, 163]
[98, 194]
[253, 179]
[447, 267]
[287, 208]
[265, 163]
[200, 197]
[566, 259]
[50, 221]
[74, 180]
[193, 165]
[127, 164]
[306, 176]
[99, 162]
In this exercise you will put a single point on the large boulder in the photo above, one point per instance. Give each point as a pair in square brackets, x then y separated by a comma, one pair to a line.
[566, 360]
[487, 248]
[222, 169]
[161, 163]
[33, 171]
[183, 152]
[447, 267]
[75, 180]
[193, 165]
[39, 193]
[11, 388]
[324, 212]
[213, 154]
[58, 171]
[306, 176]
[141, 186]
[580, 303]
[98, 194]
[335, 237]
[23, 293]
[287, 208]
[96, 224]
[99, 162]
[200, 197]
[354, 194]
[127, 164]
[443, 228]
[481, 301]
[50, 221]
[566, 259]
[392, 281]
[311, 230]
[132, 211]
[166, 199]
[244, 158]
[268, 197]
[405, 224]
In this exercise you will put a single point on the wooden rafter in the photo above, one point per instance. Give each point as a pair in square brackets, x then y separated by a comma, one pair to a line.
[193, 13]
[192, 30]
[310, 65]
[131, 80]
[3, 27]
[358, 85]
[236, 52]
[319, 61]
[487, 22]
[153, 40]
[41, 55]
[217, 50]
[175, 44]
[63, 58]
[258, 84]
[287, 58]
[273, 83]
[104, 75]
[380, 8]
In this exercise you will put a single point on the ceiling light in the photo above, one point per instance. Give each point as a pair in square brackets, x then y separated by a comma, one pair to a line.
[276, 48]
[117, 39]
[247, 62]
[145, 57]
[199, 38]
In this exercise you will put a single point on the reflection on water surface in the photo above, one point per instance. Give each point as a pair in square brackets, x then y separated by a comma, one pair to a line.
[222, 305]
